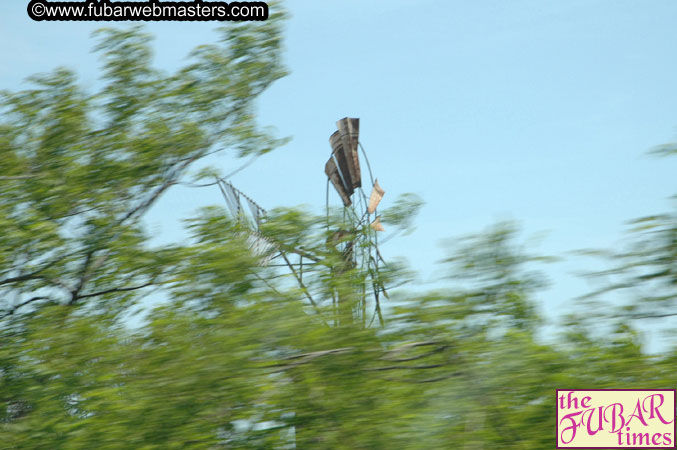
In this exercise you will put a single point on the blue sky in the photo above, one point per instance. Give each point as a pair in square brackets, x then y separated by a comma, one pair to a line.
[537, 111]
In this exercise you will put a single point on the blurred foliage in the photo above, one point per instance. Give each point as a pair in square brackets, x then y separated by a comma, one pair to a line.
[645, 271]
[403, 212]
[639, 278]
[240, 355]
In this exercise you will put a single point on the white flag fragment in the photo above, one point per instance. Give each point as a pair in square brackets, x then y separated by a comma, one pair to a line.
[377, 194]
[376, 224]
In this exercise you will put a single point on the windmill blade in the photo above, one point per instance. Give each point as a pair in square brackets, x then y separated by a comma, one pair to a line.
[332, 172]
[349, 129]
[339, 154]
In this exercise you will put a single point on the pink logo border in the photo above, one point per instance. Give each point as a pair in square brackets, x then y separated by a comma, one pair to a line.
[557, 391]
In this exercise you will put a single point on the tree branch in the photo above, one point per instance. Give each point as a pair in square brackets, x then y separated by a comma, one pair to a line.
[423, 366]
[649, 316]
[83, 277]
[108, 291]
[429, 380]
[21, 305]
[28, 276]
[413, 358]
[17, 177]
[142, 207]
[307, 357]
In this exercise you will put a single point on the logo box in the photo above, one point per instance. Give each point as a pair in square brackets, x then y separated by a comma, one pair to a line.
[616, 418]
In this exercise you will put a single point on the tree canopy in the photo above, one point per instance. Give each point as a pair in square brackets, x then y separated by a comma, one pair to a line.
[237, 356]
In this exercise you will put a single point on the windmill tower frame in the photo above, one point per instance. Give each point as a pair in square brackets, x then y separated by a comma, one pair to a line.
[356, 239]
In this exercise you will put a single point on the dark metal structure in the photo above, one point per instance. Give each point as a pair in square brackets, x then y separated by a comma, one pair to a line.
[343, 167]
[357, 240]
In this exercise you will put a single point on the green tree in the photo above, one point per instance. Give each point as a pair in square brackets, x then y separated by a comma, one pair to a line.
[243, 354]
[79, 172]
[638, 286]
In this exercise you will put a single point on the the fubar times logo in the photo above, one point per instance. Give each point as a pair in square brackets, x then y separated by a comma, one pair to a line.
[616, 418]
